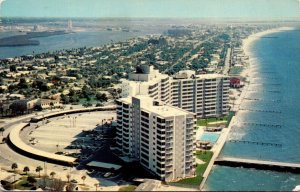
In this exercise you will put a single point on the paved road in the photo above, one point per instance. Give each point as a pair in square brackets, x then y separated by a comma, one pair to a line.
[9, 156]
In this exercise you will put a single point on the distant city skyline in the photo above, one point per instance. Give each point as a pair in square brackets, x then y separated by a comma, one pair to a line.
[256, 9]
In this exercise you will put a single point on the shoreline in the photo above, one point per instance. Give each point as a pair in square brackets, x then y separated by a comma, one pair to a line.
[248, 42]
[246, 46]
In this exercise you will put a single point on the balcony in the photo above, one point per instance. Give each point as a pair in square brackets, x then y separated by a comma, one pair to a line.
[169, 170]
[119, 133]
[169, 156]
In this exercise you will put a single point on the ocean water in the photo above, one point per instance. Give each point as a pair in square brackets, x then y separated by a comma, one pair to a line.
[275, 81]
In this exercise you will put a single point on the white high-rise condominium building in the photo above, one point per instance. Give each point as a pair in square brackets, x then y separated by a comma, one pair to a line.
[161, 137]
[207, 95]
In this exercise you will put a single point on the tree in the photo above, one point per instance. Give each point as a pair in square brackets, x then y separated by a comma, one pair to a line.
[52, 174]
[31, 179]
[2, 130]
[99, 105]
[57, 147]
[65, 99]
[70, 187]
[83, 178]
[97, 185]
[51, 105]
[4, 140]
[23, 84]
[68, 177]
[86, 91]
[38, 108]
[39, 169]
[56, 185]
[26, 170]
[101, 97]
[14, 166]
[13, 68]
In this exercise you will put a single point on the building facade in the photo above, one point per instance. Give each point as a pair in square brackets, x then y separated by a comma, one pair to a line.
[161, 137]
[207, 95]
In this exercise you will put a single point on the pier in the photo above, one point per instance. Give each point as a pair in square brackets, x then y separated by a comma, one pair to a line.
[218, 146]
[262, 124]
[275, 84]
[260, 110]
[258, 164]
[257, 99]
[275, 78]
[268, 72]
[256, 143]
[265, 91]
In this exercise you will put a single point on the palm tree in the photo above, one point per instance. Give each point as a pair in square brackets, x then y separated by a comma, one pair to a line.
[14, 166]
[57, 145]
[96, 185]
[68, 177]
[52, 174]
[2, 130]
[39, 169]
[83, 178]
[26, 170]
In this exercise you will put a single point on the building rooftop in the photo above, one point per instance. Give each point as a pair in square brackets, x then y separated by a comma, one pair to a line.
[104, 165]
[158, 107]
[189, 74]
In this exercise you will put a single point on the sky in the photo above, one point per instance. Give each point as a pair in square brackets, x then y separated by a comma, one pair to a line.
[257, 9]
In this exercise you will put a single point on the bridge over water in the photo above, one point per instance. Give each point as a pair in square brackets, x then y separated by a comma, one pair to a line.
[258, 164]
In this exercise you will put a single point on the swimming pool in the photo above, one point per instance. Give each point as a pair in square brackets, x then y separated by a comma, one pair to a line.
[211, 137]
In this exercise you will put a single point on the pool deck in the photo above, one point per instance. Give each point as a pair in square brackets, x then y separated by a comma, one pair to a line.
[217, 150]
[212, 137]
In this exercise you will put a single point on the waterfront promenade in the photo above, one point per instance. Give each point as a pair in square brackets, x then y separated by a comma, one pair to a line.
[217, 148]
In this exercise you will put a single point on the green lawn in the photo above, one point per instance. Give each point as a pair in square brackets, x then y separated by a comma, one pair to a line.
[231, 114]
[128, 188]
[205, 122]
[92, 101]
[195, 181]
[23, 184]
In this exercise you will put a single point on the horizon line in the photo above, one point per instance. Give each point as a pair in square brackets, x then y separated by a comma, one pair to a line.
[171, 17]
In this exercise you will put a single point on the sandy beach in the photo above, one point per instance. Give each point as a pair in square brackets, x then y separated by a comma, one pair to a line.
[246, 73]
[248, 43]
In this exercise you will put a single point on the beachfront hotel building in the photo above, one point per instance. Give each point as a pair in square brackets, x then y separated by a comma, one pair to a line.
[161, 137]
[206, 95]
